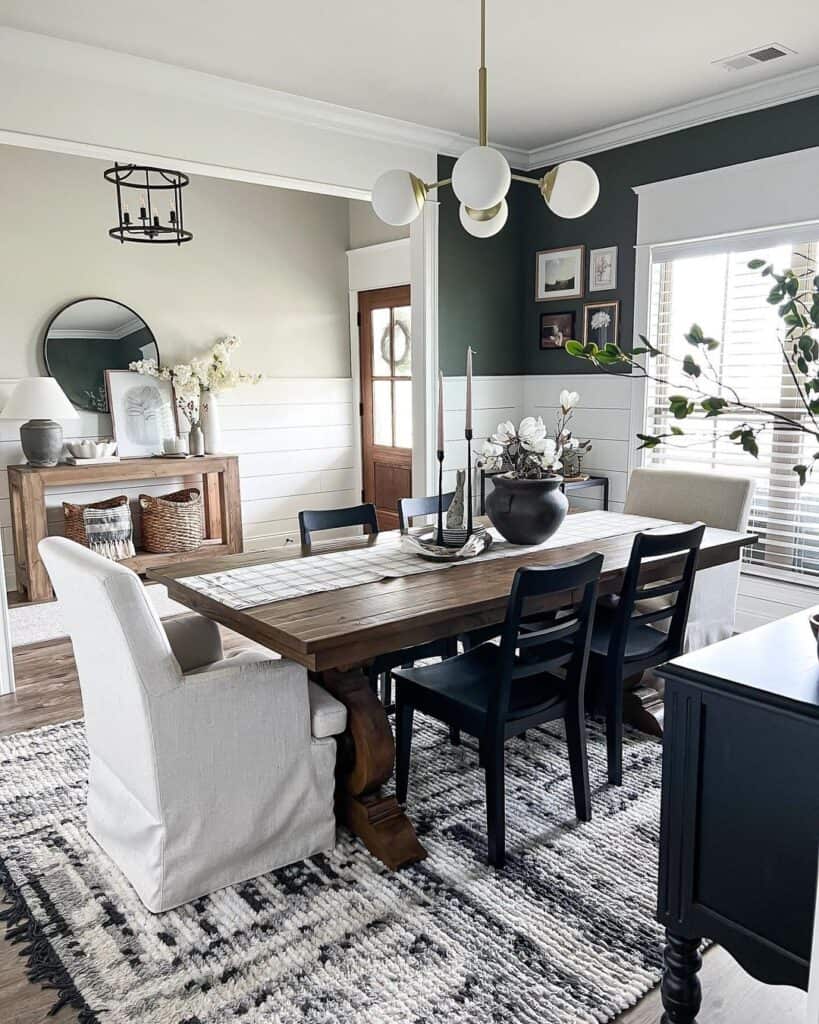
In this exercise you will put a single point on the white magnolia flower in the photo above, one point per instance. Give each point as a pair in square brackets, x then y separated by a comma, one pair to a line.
[531, 430]
[568, 400]
[492, 455]
[505, 433]
[549, 454]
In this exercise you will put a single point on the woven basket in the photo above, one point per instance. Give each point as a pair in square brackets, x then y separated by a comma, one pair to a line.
[74, 523]
[174, 522]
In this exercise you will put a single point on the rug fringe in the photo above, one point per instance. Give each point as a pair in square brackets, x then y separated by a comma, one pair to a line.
[43, 966]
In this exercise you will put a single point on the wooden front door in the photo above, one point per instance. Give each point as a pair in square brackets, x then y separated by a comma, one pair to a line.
[384, 321]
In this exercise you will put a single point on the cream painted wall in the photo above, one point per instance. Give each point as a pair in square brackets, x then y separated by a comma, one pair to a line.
[268, 264]
[367, 229]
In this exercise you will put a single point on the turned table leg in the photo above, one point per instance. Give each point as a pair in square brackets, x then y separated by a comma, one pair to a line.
[681, 990]
[366, 761]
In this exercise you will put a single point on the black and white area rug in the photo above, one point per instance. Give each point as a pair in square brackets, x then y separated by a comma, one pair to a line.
[564, 934]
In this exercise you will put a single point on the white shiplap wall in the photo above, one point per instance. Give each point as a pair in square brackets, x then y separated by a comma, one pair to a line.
[295, 443]
[602, 417]
[494, 399]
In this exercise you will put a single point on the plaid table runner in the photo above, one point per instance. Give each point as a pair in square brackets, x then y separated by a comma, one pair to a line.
[254, 585]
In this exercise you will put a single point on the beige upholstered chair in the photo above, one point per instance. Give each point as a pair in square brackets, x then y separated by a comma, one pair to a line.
[716, 500]
[204, 770]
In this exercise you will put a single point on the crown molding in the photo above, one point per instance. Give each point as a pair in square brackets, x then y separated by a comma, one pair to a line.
[116, 69]
[796, 86]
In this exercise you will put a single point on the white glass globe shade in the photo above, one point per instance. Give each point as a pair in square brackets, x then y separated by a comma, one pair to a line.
[574, 190]
[484, 228]
[481, 177]
[398, 197]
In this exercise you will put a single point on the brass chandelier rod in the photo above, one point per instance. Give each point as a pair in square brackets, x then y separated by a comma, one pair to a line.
[483, 127]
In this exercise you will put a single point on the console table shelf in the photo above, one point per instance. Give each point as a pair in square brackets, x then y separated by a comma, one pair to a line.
[27, 490]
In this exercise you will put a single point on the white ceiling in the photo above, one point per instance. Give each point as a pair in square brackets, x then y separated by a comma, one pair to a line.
[557, 70]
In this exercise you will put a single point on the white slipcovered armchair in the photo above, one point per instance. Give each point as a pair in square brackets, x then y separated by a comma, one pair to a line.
[723, 502]
[205, 771]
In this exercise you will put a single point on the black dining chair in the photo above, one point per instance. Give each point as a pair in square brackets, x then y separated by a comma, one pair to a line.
[624, 641]
[315, 520]
[410, 508]
[496, 692]
[379, 670]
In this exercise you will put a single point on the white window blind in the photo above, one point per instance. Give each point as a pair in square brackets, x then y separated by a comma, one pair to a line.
[719, 292]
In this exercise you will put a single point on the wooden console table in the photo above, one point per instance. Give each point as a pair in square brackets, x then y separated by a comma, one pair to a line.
[740, 814]
[27, 489]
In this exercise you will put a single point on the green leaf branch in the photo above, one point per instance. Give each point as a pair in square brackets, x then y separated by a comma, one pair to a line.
[705, 391]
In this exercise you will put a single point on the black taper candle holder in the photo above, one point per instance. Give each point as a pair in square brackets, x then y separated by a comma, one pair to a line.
[440, 538]
[468, 483]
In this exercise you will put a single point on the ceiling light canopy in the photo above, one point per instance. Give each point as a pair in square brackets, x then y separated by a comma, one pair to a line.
[481, 178]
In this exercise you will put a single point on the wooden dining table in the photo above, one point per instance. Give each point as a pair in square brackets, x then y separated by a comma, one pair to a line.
[335, 633]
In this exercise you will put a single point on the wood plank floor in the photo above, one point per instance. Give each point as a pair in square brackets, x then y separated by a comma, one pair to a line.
[47, 692]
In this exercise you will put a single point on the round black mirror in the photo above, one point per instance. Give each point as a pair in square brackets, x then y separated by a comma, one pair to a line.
[88, 337]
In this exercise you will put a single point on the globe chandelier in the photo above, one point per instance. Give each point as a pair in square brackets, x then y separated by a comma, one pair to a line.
[481, 178]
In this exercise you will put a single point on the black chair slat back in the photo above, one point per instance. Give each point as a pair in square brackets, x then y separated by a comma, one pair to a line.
[680, 582]
[315, 520]
[409, 508]
[543, 646]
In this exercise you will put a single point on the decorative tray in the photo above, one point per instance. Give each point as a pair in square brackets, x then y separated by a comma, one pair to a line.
[103, 460]
[423, 544]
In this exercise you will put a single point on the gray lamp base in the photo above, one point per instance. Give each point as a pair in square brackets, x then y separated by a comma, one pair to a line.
[42, 442]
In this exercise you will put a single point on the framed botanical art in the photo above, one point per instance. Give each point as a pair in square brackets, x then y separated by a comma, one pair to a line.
[603, 269]
[559, 273]
[601, 322]
[142, 413]
[556, 329]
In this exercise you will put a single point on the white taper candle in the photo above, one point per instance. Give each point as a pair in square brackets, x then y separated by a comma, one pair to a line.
[440, 411]
[469, 389]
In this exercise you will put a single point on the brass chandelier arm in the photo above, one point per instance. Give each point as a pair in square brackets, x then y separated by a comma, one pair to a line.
[438, 184]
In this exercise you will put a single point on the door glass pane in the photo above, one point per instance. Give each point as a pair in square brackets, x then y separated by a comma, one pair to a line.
[382, 412]
[380, 322]
[403, 413]
[402, 349]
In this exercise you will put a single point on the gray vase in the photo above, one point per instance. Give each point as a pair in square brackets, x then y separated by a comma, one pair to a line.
[196, 440]
[42, 442]
[526, 511]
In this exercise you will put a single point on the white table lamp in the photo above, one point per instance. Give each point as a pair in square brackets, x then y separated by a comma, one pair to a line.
[40, 402]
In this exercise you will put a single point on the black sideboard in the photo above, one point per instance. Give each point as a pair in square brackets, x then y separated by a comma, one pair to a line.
[740, 808]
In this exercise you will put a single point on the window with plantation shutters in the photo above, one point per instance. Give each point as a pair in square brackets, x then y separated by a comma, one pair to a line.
[718, 291]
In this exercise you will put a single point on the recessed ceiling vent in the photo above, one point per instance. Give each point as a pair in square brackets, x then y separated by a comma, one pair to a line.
[759, 55]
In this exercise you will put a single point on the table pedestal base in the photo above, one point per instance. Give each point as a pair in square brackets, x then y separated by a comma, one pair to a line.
[366, 761]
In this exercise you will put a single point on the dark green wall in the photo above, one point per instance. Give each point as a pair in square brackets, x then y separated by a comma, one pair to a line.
[479, 300]
[613, 221]
[486, 287]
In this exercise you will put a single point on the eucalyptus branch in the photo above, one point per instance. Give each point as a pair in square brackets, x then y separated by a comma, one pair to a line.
[736, 402]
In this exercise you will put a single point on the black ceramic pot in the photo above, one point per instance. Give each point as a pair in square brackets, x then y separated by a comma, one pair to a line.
[526, 511]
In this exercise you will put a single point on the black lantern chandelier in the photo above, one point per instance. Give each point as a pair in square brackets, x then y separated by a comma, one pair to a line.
[155, 214]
